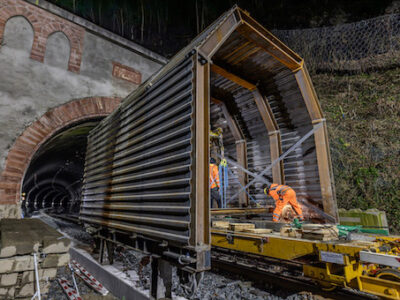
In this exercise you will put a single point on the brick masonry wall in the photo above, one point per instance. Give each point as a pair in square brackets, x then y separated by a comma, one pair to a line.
[44, 24]
[39, 132]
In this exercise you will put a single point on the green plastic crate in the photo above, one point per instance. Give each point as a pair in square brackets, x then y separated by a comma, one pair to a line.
[372, 219]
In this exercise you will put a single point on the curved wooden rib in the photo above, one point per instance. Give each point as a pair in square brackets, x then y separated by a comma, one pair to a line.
[274, 136]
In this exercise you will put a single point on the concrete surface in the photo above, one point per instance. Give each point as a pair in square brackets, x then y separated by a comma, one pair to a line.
[113, 279]
[57, 51]
[29, 88]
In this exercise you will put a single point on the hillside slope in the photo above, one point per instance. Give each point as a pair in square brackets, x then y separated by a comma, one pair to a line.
[363, 115]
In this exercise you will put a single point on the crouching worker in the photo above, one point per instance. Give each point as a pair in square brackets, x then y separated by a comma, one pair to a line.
[214, 183]
[283, 195]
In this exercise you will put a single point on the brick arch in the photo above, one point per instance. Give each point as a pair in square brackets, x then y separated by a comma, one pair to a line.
[44, 24]
[21, 153]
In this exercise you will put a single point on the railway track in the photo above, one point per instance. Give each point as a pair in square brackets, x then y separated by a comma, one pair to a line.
[283, 275]
[264, 272]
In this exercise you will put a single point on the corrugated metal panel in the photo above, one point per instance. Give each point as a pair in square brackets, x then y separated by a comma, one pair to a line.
[138, 167]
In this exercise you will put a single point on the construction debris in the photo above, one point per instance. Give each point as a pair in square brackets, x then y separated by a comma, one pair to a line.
[68, 289]
[289, 231]
[220, 224]
[258, 230]
[320, 232]
[89, 278]
[241, 226]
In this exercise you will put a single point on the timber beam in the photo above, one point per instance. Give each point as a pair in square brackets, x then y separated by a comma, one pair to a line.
[232, 77]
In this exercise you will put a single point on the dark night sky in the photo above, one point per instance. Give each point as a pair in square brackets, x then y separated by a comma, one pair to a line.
[165, 26]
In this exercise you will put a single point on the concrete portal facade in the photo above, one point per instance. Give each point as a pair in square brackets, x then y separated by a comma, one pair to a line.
[49, 58]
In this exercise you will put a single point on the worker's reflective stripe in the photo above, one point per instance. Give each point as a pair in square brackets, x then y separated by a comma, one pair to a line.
[282, 192]
[276, 215]
[214, 176]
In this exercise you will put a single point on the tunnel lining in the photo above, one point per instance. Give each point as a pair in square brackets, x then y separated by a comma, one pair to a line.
[54, 175]
[40, 131]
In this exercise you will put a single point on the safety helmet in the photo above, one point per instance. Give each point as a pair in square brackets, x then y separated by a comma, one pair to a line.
[266, 188]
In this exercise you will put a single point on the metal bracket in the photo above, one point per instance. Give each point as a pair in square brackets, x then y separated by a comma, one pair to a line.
[191, 53]
[202, 59]
[229, 238]
[263, 241]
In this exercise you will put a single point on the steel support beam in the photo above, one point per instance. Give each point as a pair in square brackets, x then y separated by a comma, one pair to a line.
[219, 36]
[241, 149]
[161, 279]
[274, 136]
[321, 142]
[201, 206]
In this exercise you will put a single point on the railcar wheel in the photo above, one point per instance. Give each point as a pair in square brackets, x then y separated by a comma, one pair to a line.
[326, 286]
[389, 274]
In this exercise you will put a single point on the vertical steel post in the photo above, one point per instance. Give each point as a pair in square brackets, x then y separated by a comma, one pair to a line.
[201, 201]
[161, 279]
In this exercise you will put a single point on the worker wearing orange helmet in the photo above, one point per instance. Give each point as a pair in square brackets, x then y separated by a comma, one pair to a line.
[283, 195]
[214, 182]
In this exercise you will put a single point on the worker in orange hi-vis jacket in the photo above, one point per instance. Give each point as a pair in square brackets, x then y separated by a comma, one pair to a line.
[214, 182]
[283, 195]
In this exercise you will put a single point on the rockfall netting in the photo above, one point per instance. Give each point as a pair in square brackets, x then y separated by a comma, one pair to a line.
[354, 47]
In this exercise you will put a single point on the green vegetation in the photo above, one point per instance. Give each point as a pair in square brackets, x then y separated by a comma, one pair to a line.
[363, 114]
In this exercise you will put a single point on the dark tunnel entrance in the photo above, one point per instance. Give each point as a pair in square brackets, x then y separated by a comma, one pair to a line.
[54, 177]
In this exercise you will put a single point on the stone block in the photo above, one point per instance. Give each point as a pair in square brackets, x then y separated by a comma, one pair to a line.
[53, 245]
[8, 279]
[7, 293]
[16, 264]
[23, 263]
[6, 265]
[24, 242]
[28, 289]
[44, 274]
[7, 251]
[55, 260]
[10, 211]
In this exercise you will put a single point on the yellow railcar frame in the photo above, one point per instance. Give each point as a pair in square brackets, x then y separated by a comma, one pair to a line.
[352, 273]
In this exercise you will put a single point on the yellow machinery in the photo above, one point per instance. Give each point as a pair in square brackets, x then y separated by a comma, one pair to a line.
[371, 266]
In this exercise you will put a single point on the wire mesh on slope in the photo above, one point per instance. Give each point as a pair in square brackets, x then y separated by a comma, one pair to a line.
[361, 46]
